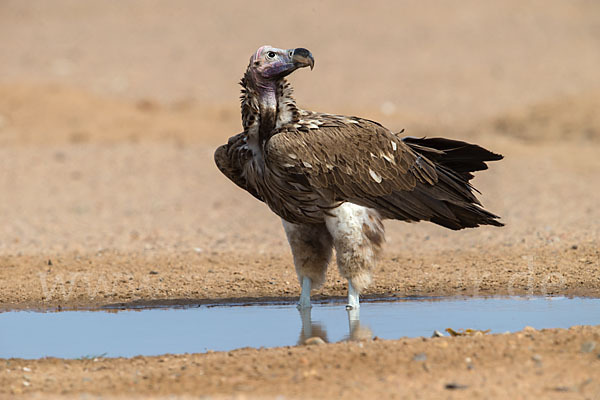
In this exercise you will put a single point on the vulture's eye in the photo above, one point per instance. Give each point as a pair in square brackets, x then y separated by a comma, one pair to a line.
[271, 54]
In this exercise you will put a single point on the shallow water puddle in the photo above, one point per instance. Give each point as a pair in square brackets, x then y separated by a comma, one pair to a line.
[74, 334]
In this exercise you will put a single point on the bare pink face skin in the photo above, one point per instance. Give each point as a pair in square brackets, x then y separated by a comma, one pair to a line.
[264, 65]
[260, 51]
[268, 63]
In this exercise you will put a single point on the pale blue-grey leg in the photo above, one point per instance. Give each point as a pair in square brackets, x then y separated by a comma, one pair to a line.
[353, 319]
[304, 301]
[306, 319]
[353, 322]
[357, 331]
[310, 329]
[353, 301]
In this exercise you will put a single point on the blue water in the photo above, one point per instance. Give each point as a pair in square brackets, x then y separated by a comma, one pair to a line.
[74, 334]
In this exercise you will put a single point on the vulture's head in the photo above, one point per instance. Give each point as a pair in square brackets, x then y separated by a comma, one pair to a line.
[272, 64]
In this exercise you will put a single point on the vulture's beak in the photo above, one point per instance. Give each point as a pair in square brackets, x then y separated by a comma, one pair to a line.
[302, 58]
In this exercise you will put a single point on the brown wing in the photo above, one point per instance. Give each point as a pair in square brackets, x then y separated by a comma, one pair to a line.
[355, 159]
[230, 159]
[360, 161]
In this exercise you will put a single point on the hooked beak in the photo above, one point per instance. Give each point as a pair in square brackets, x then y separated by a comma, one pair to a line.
[302, 58]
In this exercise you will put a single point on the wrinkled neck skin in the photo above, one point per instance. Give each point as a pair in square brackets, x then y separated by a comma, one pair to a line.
[267, 102]
[265, 108]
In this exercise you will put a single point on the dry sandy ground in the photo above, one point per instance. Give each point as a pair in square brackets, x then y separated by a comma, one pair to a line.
[109, 114]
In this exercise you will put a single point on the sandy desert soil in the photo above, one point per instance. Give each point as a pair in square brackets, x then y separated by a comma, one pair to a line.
[110, 112]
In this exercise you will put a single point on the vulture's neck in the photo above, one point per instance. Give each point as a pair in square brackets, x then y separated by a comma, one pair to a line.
[266, 104]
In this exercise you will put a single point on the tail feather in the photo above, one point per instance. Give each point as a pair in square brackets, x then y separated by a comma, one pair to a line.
[461, 157]
[451, 202]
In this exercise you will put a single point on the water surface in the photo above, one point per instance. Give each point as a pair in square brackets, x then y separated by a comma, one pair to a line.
[74, 334]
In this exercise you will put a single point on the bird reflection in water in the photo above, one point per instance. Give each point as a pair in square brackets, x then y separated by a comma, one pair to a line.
[310, 329]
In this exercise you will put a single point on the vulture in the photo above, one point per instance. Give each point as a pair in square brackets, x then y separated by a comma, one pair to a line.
[332, 179]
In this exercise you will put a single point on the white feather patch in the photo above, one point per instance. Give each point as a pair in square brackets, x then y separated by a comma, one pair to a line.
[306, 164]
[394, 146]
[375, 177]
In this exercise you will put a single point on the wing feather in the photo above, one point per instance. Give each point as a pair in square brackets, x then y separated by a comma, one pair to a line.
[230, 159]
[357, 160]
[349, 158]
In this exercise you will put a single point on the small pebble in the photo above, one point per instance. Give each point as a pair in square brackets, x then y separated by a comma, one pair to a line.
[437, 334]
[588, 347]
[454, 385]
[26, 369]
[420, 357]
[537, 358]
[315, 340]
[153, 272]
[562, 389]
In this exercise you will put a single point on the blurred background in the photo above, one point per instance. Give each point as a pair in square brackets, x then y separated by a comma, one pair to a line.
[110, 111]
[434, 60]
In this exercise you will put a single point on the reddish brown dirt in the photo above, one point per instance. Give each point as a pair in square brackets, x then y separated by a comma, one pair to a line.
[547, 364]
[109, 114]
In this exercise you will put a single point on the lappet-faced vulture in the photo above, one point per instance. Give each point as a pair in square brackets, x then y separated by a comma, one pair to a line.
[332, 179]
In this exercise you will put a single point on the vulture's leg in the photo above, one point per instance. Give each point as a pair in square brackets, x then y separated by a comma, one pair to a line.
[305, 317]
[353, 318]
[309, 328]
[358, 331]
[353, 297]
[311, 247]
[357, 236]
[306, 283]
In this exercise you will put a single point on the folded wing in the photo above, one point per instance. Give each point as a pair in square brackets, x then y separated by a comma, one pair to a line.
[230, 159]
[357, 160]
